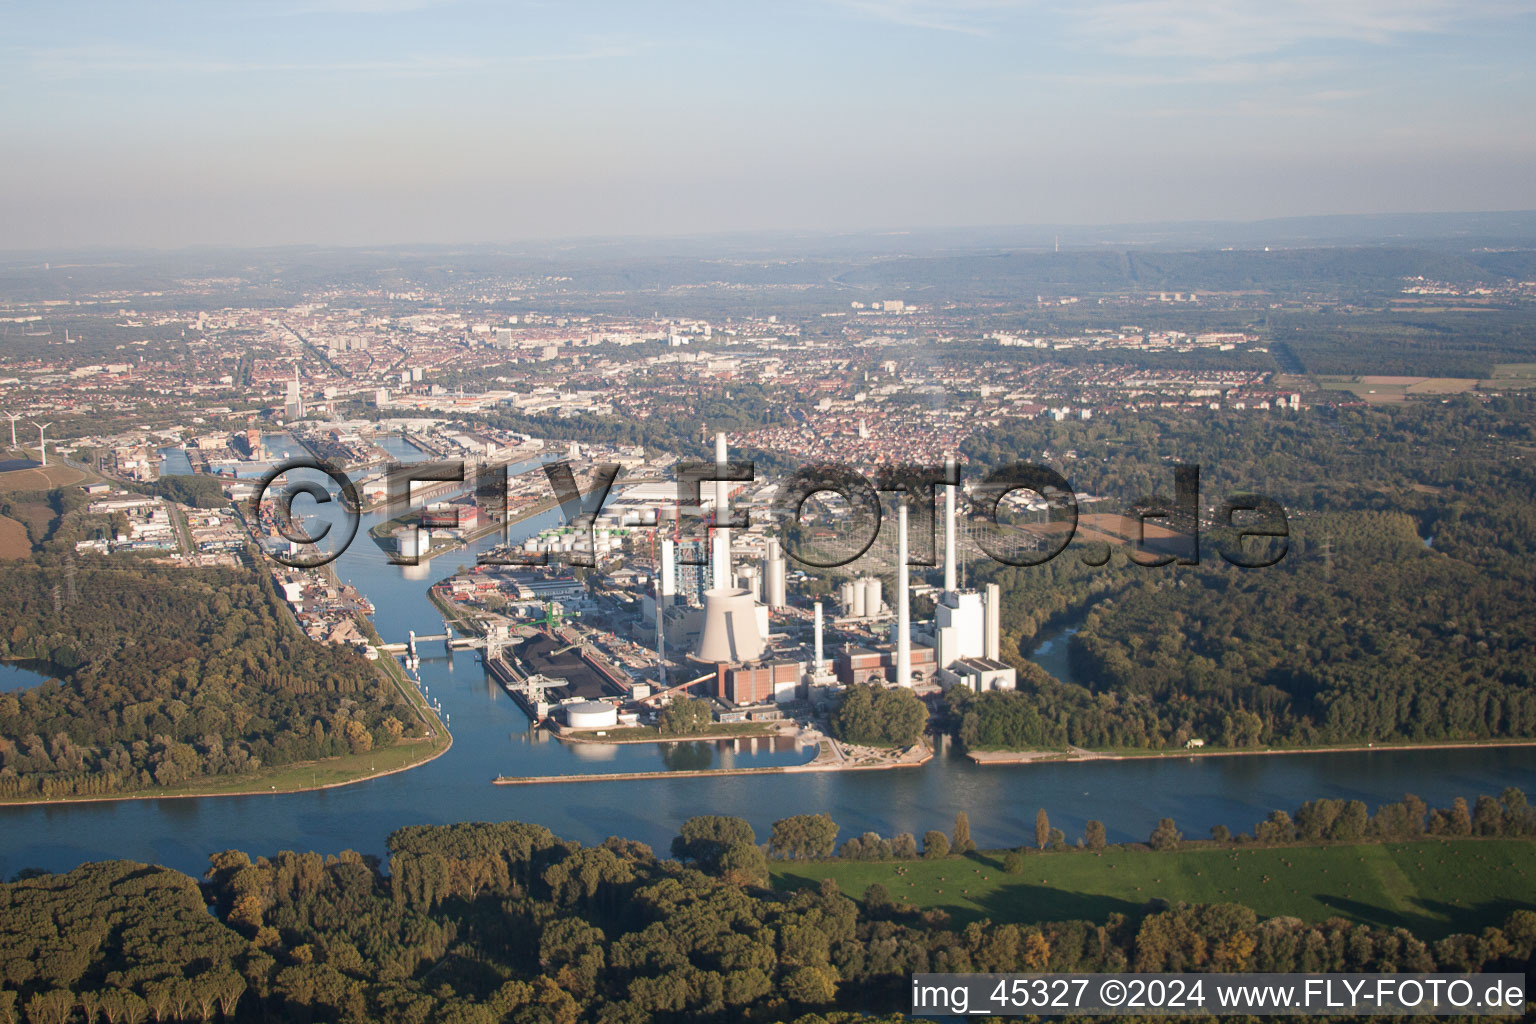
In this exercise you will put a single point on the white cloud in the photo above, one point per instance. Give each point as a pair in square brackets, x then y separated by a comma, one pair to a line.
[1197, 28]
[968, 17]
[1234, 28]
[92, 61]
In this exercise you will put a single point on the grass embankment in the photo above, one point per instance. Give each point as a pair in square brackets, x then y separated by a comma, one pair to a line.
[460, 618]
[1432, 887]
[1006, 755]
[40, 478]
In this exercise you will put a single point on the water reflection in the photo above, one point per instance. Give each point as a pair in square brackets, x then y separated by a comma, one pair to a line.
[692, 756]
[23, 675]
[594, 751]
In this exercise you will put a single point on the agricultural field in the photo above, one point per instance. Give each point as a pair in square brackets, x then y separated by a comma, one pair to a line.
[1433, 887]
[1382, 388]
[13, 539]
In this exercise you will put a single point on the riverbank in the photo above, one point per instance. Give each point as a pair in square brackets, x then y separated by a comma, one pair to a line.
[831, 757]
[1079, 754]
[382, 531]
[300, 777]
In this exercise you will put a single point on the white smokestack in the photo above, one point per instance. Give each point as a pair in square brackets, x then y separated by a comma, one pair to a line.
[903, 615]
[994, 621]
[722, 514]
[774, 576]
[661, 642]
[949, 530]
[816, 670]
[668, 571]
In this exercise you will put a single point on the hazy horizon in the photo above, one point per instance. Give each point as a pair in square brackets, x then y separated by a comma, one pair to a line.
[397, 122]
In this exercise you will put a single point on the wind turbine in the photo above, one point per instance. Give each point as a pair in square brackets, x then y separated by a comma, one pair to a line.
[42, 439]
[13, 417]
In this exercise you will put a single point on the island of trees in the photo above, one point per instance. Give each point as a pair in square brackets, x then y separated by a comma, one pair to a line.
[164, 677]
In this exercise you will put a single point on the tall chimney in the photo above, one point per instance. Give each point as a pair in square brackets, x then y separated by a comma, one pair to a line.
[903, 614]
[661, 643]
[949, 530]
[994, 621]
[668, 572]
[722, 514]
[816, 669]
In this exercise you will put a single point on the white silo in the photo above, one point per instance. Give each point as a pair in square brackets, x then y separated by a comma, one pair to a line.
[872, 596]
[859, 609]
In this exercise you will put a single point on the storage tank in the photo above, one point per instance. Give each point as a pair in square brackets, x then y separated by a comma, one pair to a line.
[592, 714]
[872, 596]
[413, 542]
[858, 599]
[845, 595]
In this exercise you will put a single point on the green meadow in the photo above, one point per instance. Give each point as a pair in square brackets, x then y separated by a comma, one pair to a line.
[1433, 887]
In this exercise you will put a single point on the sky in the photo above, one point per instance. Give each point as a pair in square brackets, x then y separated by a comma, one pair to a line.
[368, 122]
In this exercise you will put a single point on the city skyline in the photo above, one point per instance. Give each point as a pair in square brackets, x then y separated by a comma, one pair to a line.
[380, 122]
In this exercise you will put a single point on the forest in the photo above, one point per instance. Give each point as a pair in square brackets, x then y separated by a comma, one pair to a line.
[171, 675]
[879, 716]
[489, 922]
[1399, 611]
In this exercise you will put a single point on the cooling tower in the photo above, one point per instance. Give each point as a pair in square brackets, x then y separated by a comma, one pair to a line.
[730, 630]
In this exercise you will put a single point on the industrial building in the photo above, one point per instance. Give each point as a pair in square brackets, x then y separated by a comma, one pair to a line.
[967, 625]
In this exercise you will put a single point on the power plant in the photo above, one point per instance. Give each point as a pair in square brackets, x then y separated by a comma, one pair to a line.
[734, 627]
[967, 624]
[730, 632]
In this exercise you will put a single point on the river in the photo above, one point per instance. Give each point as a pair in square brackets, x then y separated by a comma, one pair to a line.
[491, 737]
